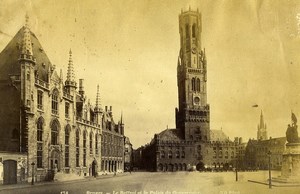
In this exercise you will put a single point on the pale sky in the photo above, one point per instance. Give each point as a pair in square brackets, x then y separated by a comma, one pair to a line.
[130, 49]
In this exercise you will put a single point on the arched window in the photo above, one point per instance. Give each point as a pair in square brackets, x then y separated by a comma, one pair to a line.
[39, 138]
[198, 85]
[182, 154]
[193, 84]
[77, 147]
[55, 102]
[226, 154]
[84, 139]
[162, 154]
[67, 141]
[194, 31]
[220, 154]
[84, 148]
[54, 132]
[91, 142]
[170, 155]
[177, 154]
[187, 31]
[96, 143]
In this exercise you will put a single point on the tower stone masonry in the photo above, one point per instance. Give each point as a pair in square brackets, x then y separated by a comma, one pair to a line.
[192, 116]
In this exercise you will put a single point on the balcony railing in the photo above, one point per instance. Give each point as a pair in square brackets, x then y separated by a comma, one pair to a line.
[41, 83]
[80, 119]
[68, 96]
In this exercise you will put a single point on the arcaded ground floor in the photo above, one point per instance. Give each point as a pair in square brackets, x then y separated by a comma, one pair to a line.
[162, 183]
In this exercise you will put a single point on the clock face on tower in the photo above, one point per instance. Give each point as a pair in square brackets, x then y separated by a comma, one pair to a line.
[196, 100]
[194, 50]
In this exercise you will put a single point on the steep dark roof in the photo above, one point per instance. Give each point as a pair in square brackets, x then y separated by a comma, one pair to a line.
[170, 135]
[218, 135]
[9, 57]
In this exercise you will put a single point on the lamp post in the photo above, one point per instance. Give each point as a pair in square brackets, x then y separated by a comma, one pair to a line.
[32, 180]
[270, 177]
[236, 171]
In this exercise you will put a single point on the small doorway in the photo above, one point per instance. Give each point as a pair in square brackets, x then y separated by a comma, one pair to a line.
[94, 165]
[55, 161]
[10, 172]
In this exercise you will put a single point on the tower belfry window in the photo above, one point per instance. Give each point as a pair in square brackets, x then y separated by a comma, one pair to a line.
[187, 31]
[194, 31]
[193, 84]
[198, 85]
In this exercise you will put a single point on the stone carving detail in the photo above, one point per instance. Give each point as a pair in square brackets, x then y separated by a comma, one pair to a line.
[291, 132]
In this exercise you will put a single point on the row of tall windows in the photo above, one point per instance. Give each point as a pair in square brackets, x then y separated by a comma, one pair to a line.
[170, 154]
[54, 103]
[54, 141]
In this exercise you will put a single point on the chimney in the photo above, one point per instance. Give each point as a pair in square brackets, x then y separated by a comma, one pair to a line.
[105, 108]
[110, 111]
[81, 88]
[240, 140]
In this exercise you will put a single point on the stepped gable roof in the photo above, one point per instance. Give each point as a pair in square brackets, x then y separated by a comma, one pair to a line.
[10, 54]
[170, 135]
[218, 135]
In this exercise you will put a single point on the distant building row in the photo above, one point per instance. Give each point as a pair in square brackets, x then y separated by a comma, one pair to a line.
[221, 153]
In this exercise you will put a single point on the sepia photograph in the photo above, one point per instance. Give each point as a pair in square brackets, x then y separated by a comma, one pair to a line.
[149, 96]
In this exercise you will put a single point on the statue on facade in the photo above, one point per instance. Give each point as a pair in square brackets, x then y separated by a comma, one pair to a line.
[291, 132]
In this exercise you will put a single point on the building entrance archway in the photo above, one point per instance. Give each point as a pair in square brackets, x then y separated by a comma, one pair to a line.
[54, 159]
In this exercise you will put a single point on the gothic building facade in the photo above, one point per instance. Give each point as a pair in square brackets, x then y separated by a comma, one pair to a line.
[47, 124]
[112, 144]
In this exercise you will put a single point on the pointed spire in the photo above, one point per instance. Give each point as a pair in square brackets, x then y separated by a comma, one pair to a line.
[262, 123]
[98, 103]
[70, 73]
[26, 52]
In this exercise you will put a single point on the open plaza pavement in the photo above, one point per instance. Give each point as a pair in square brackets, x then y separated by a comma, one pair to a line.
[160, 183]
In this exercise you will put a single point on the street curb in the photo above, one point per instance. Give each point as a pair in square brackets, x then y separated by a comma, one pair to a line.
[85, 179]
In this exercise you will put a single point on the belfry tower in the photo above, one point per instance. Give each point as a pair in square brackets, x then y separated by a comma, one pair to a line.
[192, 115]
[262, 129]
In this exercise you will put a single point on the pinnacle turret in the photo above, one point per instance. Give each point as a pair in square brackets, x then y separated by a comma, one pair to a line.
[70, 73]
[98, 102]
[26, 48]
